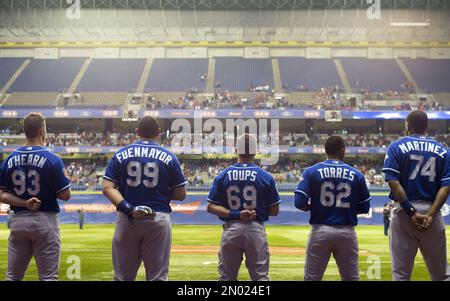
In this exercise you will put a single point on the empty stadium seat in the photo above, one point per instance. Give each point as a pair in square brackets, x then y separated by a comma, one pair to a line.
[374, 75]
[313, 74]
[99, 99]
[8, 67]
[176, 75]
[431, 75]
[112, 75]
[48, 75]
[26, 99]
[238, 74]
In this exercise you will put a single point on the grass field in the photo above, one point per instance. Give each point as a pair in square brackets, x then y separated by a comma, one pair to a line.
[194, 253]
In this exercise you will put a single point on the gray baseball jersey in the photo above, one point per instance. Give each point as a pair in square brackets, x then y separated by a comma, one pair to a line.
[34, 234]
[405, 240]
[148, 240]
[324, 240]
[241, 238]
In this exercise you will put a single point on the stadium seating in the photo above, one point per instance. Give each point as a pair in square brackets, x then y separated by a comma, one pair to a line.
[8, 67]
[112, 75]
[238, 74]
[176, 75]
[48, 75]
[24, 99]
[313, 74]
[443, 99]
[374, 75]
[432, 75]
[99, 99]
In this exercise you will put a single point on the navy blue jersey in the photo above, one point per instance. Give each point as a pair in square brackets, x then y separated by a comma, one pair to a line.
[420, 164]
[146, 173]
[337, 193]
[32, 171]
[245, 186]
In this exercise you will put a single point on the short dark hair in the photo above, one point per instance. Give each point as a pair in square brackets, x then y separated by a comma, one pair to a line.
[148, 127]
[246, 145]
[417, 121]
[32, 123]
[333, 145]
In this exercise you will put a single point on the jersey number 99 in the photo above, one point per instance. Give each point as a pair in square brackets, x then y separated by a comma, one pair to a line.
[136, 170]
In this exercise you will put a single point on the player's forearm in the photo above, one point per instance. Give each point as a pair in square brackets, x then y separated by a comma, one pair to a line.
[218, 210]
[113, 195]
[398, 191]
[440, 200]
[301, 202]
[12, 200]
[274, 210]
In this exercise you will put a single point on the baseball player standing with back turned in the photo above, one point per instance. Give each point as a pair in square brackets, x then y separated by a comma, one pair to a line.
[244, 196]
[417, 169]
[31, 181]
[141, 179]
[337, 193]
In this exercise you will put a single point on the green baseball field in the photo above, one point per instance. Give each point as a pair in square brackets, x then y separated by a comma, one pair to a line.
[86, 254]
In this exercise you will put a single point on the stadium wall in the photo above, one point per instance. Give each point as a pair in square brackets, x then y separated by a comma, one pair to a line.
[98, 209]
[247, 52]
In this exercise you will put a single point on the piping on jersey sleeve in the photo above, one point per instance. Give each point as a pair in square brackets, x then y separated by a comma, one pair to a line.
[273, 204]
[178, 185]
[391, 169]
[64, 188]
[110, 179]
[214, 202]
[302, 192]
[369, 199]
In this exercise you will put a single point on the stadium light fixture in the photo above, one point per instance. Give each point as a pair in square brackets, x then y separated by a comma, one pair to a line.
[410, 24]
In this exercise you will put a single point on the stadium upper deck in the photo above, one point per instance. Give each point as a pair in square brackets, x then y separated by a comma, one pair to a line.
[171, 83]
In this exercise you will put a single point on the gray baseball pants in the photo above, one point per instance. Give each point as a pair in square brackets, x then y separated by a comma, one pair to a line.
[148, 240]
[405, 240]
[324, 240]
[34, 234]
[239, 238]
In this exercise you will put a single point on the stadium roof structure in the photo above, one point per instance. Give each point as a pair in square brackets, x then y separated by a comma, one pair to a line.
[226, 4]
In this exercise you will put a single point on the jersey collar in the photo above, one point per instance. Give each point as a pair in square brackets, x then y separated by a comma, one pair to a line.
[418, 136]
[30, 148]
[333, 162]
[147, 142]
[244, 165]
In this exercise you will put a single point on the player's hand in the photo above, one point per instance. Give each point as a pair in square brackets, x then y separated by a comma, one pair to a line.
[248, 215]
[420, 222]
[429, 220]
[33, 204]
[143, 212]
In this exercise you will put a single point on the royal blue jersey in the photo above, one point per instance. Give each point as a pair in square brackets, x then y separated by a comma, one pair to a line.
[420, 164]
[32, 171]
[337, 193]
[146, 174]
[245, 186]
